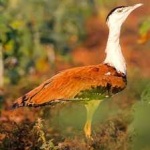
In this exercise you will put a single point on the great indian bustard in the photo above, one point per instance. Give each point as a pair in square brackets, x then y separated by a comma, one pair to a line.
[91, 84]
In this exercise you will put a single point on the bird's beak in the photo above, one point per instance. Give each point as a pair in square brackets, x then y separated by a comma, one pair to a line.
[135, 6]
[131, 8]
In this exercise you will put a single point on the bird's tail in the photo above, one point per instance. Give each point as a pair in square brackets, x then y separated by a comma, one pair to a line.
[34, 98]
[20, 102]
[30, 99]
[26, 100]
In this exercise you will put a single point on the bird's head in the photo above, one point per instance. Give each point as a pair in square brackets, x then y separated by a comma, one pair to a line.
[119, 14]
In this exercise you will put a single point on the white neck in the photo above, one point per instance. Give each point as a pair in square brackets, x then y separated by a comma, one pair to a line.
[114, 55]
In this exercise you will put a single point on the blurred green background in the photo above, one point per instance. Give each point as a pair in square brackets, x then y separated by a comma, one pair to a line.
[39, 38]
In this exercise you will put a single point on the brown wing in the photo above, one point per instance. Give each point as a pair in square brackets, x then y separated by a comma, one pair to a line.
[67, 84]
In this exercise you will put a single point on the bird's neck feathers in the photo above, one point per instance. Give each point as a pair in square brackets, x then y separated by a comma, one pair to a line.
[114, 56]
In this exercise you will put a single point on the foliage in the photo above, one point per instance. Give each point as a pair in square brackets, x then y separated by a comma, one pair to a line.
[27, 135]
[145, 96]
[144, 31]
[145, 26]
[38, 129]
[25, 35]
[23, 137]
[41, 30]
[141, 122]
[17, 136]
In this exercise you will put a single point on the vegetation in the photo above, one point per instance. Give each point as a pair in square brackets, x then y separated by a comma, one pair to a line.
[39, 38]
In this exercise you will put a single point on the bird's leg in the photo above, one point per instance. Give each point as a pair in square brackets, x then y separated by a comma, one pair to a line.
[91, 107]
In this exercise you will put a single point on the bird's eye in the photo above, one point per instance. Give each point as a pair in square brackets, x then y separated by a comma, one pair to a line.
[119, 10]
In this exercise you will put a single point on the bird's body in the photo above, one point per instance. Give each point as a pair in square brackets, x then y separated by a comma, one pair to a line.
[81, 83]
[90, 84]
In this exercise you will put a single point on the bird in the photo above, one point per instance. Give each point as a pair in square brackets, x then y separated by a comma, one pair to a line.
[90, 84]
